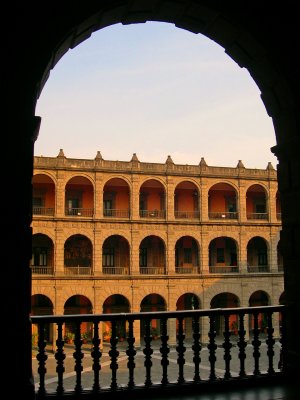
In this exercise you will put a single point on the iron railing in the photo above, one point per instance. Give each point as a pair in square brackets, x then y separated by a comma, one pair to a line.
[187, 214]
[258, 268]
[115, 270]
[223, 215]
[152, 213]
[153, 270]
[108, 212]
[193, 269]
[257, 216]
[79, 212]
[224, 269]
[47, 211]
[193, 348]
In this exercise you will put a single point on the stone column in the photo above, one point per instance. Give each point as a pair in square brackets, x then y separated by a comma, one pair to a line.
[59, 262]
[170, 253]
[204, 253]
[60, 194]
[272, 202]
[242, 201]
[98, 243]
[203, 200]
[135, 198]
[170, 199]
[272, 259]
[98, 196]
[137, 324]
[135, 251]
[243, 251]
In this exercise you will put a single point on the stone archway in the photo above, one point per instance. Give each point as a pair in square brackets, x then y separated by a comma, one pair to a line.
[260, 38]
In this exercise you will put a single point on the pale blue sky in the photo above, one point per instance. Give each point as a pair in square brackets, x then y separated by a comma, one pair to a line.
[154, 90]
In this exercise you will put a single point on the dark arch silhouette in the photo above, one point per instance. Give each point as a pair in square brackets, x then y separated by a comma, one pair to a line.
[260, 36]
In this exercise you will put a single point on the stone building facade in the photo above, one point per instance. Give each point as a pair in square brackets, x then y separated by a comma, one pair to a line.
[115, 236]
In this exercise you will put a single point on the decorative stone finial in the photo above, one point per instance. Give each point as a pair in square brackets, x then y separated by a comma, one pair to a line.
[240, 164]
[270, 166]
[202, 162]
[134, 157]
[169, 160]
[98, 156]
[61, 154]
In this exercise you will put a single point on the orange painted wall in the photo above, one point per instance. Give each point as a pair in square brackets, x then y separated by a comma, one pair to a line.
[154, 199]
[88, 198]
[217, 201]
[185, 200]
[122, 198]
[49, 190]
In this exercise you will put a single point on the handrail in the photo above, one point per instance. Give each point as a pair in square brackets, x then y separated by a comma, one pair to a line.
[268, 355]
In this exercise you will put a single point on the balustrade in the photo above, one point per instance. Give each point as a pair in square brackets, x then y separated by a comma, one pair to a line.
[201, 357]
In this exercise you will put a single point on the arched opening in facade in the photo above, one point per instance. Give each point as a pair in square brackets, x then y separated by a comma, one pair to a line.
[116, 199]
[187, 301]
[256, 203]
[223, 255]
[186, 201]
[222, 202]
[115, 256]
[257, 255]
[79, 198]
[152, 256]
[152, 199]
[78, 255]
[152, 302]
[43, 195]
[42, 305]
[259, 298]
[186, 256]
[115, 303]
[42, 260]
[78, 304]
[226, 300]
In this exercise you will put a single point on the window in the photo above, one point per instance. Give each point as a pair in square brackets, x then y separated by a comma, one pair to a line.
[260, 208]
[38, 203]
[187, 255]
[262, 257]
[73, 205]
[39, 257]
[107, 205]
[220, 255]
[143, 257]
[108, 257]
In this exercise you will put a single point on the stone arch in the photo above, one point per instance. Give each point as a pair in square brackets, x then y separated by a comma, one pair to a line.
[187, 301]
[78, 254]
[116, 197]
[258, 256]
[42, 305]
[116, 303]
[187, 255]
[152, 255]
[152, 302]
[225, 300]
[78, 304]
[259, 298]
[186, 200]
[42, 261]
[116, 255]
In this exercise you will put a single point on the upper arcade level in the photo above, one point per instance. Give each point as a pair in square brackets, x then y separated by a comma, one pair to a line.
[110, 190]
